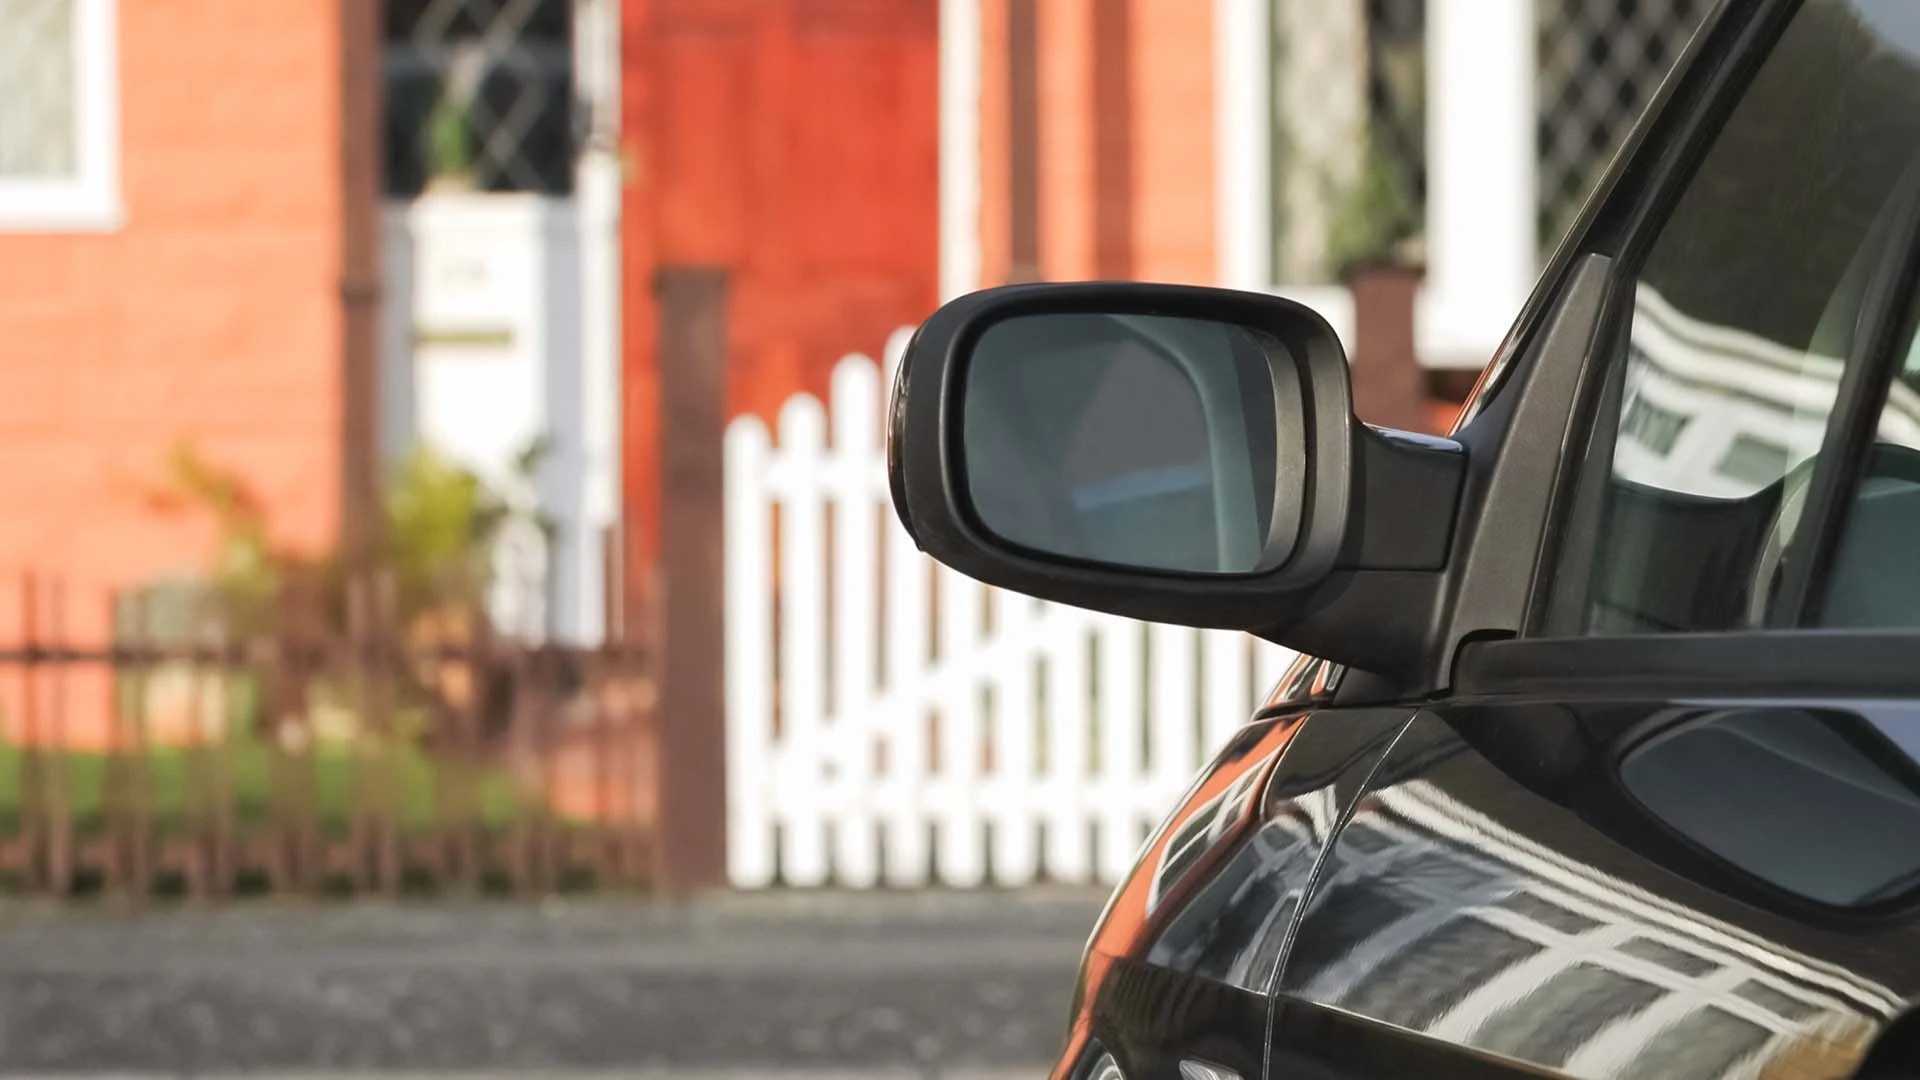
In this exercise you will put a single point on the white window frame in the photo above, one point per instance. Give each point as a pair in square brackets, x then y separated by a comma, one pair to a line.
[89, 201]
[1481, 242]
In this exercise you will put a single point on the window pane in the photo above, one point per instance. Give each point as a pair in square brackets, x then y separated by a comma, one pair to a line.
[1874, 581]
[1343, 918]
[38, 114]
[1552, 1021]
[1657, 952]
[1708, 1042]
[1415, 986]
[1754, 461]
[1743, 321]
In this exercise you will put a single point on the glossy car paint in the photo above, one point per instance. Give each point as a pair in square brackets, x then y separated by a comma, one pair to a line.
[1482, 882]
[1483, 898]
[1490, 925]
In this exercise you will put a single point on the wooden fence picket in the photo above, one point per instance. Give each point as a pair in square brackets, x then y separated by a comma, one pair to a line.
[909, 583]
[855, 643]
[750, 650]
[800, 465]
[959, 854]
[1118, 736]
[1069, 848]
[1016, 855]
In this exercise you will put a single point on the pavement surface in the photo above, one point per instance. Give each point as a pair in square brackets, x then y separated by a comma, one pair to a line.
[809, 986]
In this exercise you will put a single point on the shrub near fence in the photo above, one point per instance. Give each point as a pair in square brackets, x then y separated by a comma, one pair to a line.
[892, 721]
[295, 760]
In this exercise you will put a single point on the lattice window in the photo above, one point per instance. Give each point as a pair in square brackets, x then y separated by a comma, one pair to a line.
[480, 95]
[1348, 135]
[57, 117]
[1600, 63]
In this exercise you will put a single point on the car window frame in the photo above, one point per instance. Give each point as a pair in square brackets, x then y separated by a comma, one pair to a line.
[1622, 222]
[1553, 654]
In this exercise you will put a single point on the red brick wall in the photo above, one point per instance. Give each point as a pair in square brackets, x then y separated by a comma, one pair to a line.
[211, 316]
[1173, 148]
[1126, 185]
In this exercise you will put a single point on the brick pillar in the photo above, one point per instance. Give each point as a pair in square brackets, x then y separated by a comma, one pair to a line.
[690, 849]
[359, 274]
[1389, 388]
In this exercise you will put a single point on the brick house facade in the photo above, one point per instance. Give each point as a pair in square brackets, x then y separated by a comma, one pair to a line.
[191, 293]
[173, 274]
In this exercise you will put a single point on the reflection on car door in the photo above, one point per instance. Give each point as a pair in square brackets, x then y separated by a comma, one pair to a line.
[1177, 974]
[1498, 905]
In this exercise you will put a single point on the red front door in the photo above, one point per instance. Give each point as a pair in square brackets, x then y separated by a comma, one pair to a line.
[794, 143]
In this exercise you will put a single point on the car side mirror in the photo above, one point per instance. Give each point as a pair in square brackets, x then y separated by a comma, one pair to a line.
[1174, 453]
[1819, 803]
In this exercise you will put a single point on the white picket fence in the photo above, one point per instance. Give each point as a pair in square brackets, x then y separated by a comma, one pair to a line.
[892, 722]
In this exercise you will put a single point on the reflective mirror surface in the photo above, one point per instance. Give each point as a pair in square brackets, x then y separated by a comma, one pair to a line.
[1823, 803]
[1147, 442]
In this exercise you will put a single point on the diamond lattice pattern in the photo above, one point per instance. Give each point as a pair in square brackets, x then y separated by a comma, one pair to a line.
[479, 94]
[1600, 63]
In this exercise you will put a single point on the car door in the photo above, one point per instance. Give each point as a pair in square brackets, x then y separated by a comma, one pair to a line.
[1671, 828]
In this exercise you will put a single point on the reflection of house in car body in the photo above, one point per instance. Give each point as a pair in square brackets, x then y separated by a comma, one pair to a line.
[1553, 959]
[1723, 413]
[1541, 934]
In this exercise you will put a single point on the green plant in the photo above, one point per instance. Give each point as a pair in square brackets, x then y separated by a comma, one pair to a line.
[450, 149]
[247, 571]
[1376, 221]
[442, 520]
[440, 523]
[438, 519]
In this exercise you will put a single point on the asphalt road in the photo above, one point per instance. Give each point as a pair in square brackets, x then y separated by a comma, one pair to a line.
[802, 985]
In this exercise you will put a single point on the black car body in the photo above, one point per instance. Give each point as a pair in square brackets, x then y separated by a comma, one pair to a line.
[1603, 760]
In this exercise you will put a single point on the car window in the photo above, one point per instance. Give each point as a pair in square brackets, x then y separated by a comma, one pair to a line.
[1743, 319]
[1873, 581]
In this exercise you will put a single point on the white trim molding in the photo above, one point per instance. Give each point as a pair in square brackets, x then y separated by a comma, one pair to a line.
[89, 200]
[1482, 239]
[960, 59]
[597, 189]
[1242, 90]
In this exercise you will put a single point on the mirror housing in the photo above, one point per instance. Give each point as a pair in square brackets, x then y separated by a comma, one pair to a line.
[1374, 508]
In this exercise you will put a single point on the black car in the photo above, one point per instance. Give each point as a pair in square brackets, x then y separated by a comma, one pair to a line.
[1602, 762]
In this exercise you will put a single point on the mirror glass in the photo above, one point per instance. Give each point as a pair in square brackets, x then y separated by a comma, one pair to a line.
[1823, 803]
[1148, 442]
